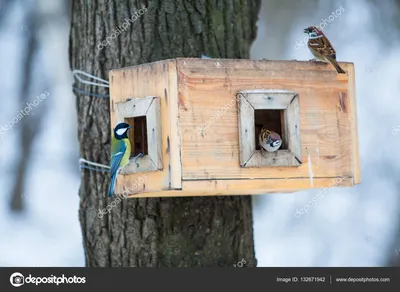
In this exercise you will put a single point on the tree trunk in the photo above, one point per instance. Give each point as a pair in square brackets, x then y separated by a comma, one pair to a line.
[168, 232]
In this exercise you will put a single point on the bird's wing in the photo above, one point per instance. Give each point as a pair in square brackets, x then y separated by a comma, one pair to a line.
[117, 151]
[322, 46]
[114, 146]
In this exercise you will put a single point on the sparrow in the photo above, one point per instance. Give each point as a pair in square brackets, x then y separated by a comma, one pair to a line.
[269, 140]
[321, 47]
[120, 152]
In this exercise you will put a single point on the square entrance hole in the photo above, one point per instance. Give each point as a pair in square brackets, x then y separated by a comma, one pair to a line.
[273, 120]
[138, 135]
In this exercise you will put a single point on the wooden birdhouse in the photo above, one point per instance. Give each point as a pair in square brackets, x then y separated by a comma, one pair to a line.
[195, 126]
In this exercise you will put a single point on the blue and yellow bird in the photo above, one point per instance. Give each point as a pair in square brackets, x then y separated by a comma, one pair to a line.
[120, 152]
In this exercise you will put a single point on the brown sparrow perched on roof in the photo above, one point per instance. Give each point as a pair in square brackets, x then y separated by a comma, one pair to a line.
[321, 47]
[269, 140]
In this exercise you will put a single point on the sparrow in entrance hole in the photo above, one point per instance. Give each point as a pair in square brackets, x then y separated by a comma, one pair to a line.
[269, 140]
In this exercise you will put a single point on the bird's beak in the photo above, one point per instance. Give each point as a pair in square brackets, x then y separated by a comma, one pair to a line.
[305, 30]
[129, 127]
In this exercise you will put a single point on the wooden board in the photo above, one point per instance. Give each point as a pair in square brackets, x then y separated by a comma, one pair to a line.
[354, 123]
[245, 187]
[247, 140]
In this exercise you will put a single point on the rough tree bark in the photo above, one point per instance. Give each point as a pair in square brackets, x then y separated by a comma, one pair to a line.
[169, 232]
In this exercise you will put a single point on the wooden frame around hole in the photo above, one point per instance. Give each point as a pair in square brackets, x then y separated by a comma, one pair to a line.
[148, 107]
[266, 99]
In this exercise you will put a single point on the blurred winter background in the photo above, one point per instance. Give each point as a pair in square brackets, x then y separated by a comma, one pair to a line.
[40, 177]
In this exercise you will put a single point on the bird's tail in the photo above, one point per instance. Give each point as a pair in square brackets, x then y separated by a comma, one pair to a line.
[337, 67]
[112, 185]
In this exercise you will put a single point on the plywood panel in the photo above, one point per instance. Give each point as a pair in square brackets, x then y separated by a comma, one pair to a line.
[211, 85]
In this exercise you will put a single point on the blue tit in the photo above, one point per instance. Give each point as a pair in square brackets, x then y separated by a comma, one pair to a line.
[269, 140]
[120, 152]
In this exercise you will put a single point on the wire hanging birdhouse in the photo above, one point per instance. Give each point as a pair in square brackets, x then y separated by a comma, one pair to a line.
[197, 126]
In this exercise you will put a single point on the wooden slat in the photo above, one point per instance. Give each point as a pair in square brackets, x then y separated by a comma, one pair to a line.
[143, 164]
[269, 98]
[175, 138]
[352, 98]
[154, 133]
[293, 128]
[136, 107]
[246, 187]
[272, 159]
[247, 141]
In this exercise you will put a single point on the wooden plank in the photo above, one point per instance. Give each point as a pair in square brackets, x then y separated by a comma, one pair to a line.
[272, 159]
[269, 98]
[154, 133]
[352, 97]
[115, 93]
[247, 141]
[140, 165]
[273, 70]
[175, 138]
[246, 187]
[135, 107]
[215, 153]
[292, 117]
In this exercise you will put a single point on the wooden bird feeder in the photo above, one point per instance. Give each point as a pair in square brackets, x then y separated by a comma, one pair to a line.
[195, 125]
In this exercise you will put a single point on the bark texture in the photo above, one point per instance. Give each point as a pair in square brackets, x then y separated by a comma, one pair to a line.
[169, 232]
